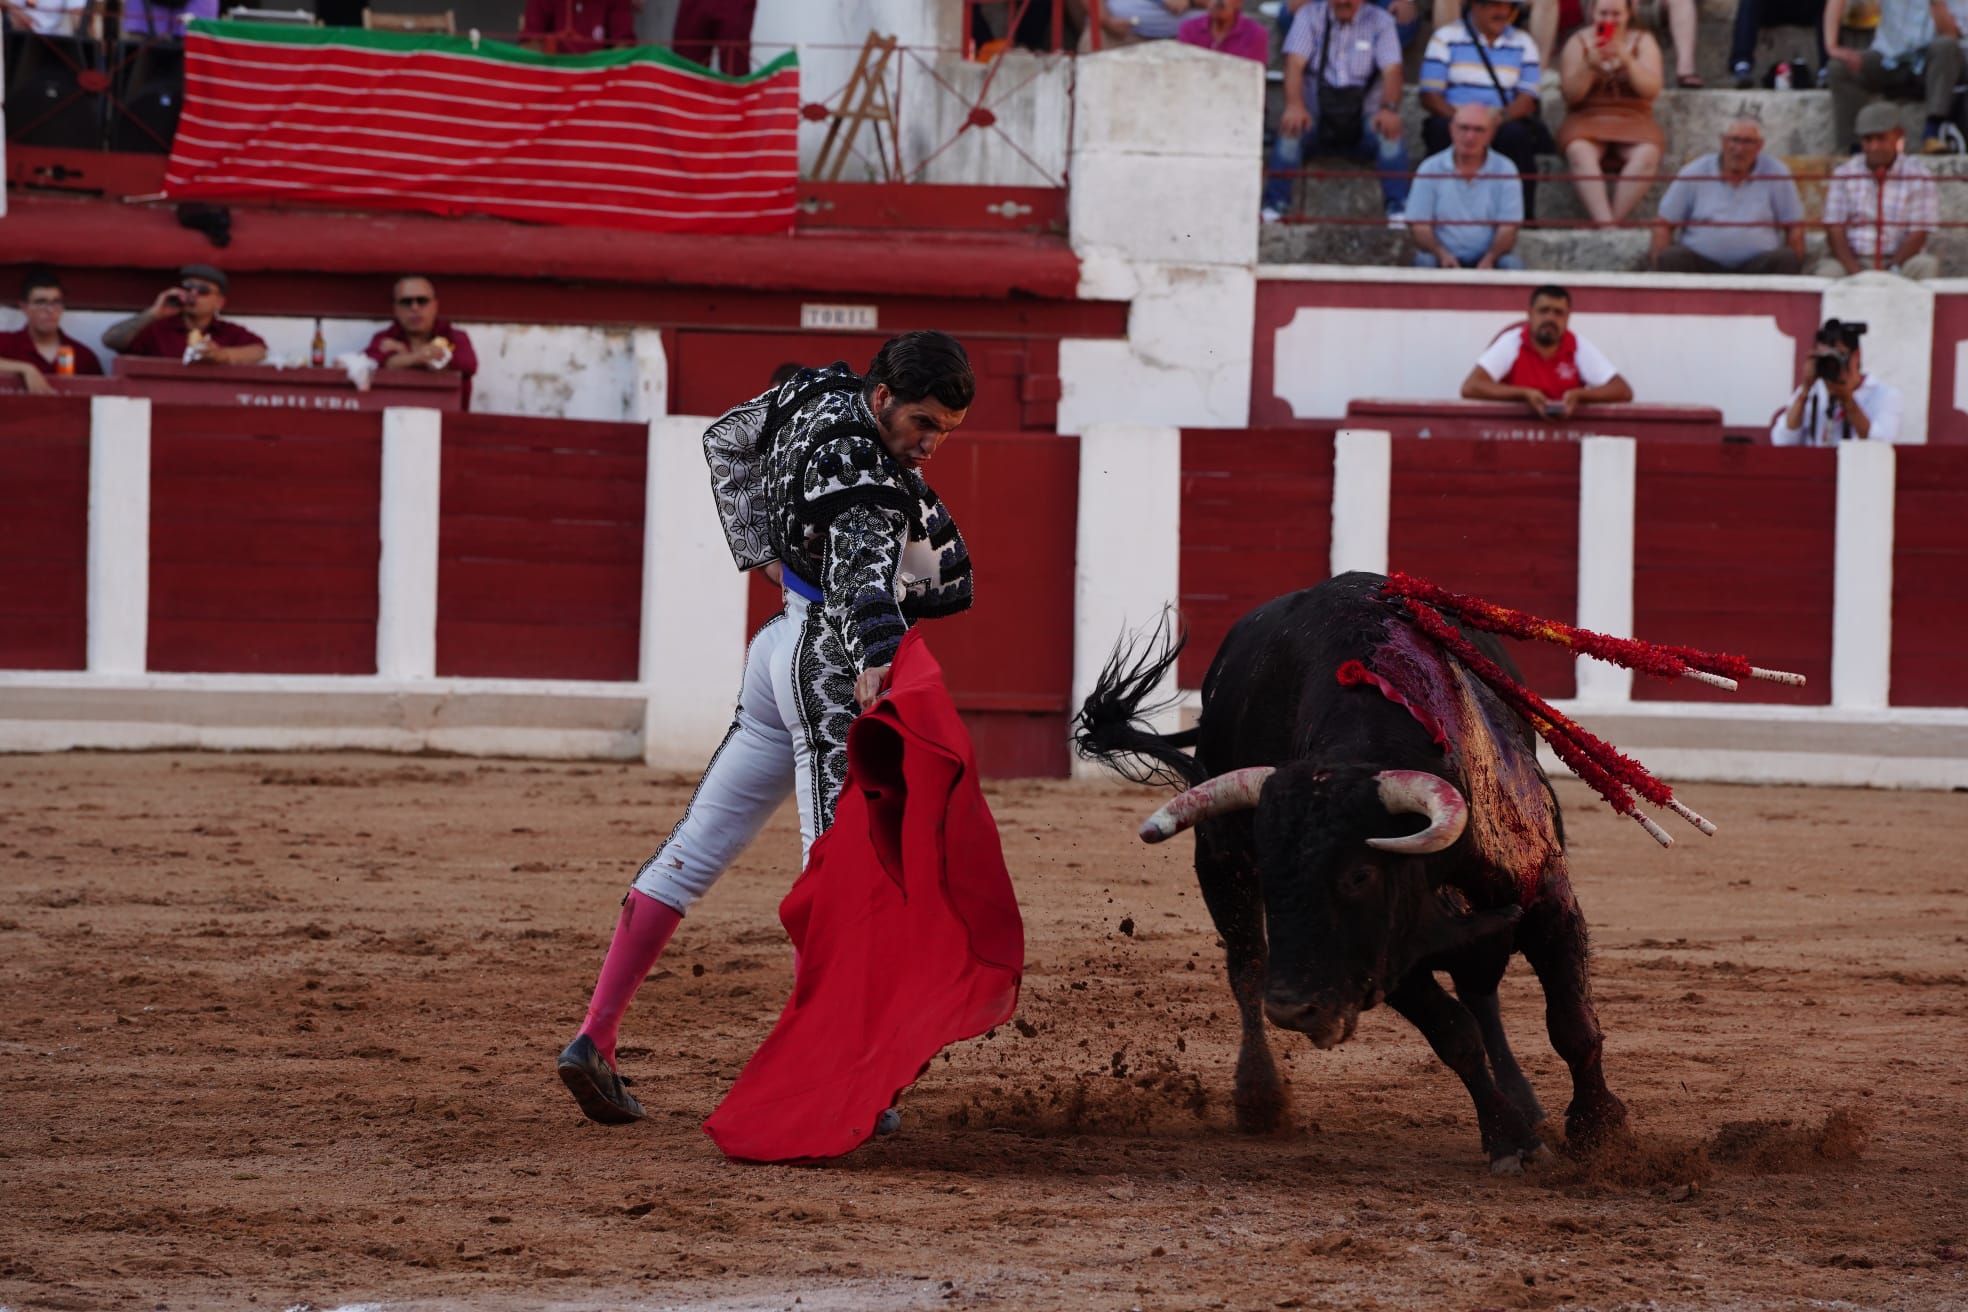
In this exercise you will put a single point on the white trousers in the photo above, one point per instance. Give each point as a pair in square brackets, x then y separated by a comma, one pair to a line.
[769, 750]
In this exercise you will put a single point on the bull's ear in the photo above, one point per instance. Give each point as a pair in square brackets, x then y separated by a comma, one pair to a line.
[1446, 924]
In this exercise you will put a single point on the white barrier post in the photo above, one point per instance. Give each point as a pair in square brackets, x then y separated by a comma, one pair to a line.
[406, 573]
[1605, 563]
[119, 535]
[693, 603]
[1363, 489]
[1862, 578]
[1128, 548]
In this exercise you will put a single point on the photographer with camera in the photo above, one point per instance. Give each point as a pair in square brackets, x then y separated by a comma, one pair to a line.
[183, 324]
[1836, 400]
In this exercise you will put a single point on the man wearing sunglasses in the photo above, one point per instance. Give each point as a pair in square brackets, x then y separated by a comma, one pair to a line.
[421, 339]
[35, 351]
[183, 324]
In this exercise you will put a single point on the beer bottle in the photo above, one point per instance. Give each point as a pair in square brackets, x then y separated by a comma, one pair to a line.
[318, 353]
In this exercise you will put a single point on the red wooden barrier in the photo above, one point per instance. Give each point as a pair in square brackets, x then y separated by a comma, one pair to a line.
[1930, 577]
[539, 571]
[44, 533]
[1733, 550]
[1256, 523]
[264, 540]
[1498, 520]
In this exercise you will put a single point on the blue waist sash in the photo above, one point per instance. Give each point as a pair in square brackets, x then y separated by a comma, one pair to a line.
[796, 585]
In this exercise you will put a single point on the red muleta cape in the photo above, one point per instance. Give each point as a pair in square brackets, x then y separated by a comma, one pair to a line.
[906, 926]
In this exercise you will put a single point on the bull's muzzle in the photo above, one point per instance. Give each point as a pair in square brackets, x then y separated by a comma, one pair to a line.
[1326, 1025]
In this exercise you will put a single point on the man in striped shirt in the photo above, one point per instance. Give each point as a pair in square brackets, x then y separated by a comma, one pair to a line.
[1342, 65]
[1880, 206]
[1483, 60]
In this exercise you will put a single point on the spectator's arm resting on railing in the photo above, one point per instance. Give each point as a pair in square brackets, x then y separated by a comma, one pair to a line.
[252, 353]
[1479, 386]
[1614, 391]
[30, 377]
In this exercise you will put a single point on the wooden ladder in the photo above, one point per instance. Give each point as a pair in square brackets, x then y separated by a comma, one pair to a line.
[866, 100]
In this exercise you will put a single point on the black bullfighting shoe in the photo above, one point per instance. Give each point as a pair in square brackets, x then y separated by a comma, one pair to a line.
[595, 1085]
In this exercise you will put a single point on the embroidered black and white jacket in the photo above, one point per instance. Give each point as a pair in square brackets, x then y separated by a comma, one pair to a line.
[800, 476]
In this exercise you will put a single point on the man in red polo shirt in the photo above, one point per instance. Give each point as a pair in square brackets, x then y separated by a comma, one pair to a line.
[183, 324]
[1542, 363]
[34, 353]
[421, 338]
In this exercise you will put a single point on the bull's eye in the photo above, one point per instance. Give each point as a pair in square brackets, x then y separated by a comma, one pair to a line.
[1358, 880]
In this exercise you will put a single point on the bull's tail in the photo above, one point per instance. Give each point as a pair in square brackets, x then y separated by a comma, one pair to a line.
[1112, 726]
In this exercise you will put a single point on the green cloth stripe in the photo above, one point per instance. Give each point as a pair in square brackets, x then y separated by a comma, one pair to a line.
[286, 34]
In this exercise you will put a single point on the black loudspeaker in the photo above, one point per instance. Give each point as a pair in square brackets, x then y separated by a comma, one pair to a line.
[54, 91]
[150, 87]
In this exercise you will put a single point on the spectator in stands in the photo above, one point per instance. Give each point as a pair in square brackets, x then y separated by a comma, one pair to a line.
[1342, 98]
[1915, 55]
[1880, 205]
[48, 17]
[183, 324]
[575, 26]
[1482, 60]
[1126, 21]
[34, 352]
[1836, 400]
[421, 338]
[714, 30]
[1227, 28]
[1545, 365]
[1737, 210]
[1552, 19]
[1473, 193]
[1610, 74]
[1752, 16]
[164, 18]
[1405, 13]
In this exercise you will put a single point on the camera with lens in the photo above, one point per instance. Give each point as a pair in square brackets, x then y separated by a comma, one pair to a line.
[1835, 343]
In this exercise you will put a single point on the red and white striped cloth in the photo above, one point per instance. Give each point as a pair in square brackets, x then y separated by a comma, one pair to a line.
[635, 138]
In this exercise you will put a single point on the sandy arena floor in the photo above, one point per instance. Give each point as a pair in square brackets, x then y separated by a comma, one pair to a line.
[279, 1031]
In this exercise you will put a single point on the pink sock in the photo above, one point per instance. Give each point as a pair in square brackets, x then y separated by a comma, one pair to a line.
[641, 934]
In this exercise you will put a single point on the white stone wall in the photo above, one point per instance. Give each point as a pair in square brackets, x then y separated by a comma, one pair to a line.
[1166, 169]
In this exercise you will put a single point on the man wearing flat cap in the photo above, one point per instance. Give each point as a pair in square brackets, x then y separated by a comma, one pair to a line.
[183, 324]
[1881, 206]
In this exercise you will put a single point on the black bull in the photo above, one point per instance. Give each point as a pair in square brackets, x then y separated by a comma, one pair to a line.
[1329, 728]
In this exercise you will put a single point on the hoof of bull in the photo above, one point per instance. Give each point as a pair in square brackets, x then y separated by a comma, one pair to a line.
[1508, 1164]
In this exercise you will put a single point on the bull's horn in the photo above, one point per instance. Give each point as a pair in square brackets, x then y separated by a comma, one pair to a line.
[1416, 792]
[1236, 791]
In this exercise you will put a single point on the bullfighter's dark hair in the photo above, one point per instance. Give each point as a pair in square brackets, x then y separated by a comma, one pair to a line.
[923, 364]
[37, 277]
[1553, 290]
[1112, 726]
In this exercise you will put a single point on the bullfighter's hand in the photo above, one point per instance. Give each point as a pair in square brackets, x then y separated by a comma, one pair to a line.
[871, 685]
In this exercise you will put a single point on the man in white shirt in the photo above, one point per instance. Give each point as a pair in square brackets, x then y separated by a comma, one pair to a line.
[1836, 400]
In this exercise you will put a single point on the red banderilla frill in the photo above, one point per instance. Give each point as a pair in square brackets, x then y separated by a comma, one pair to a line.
[1612, 774]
